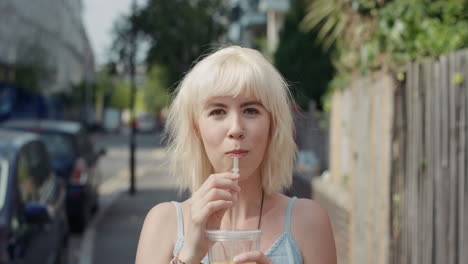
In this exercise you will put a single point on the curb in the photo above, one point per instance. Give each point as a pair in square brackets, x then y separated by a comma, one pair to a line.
[87, 244]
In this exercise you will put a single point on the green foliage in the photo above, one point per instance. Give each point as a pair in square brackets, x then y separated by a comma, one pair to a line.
[154, 91]
[177, 33]
[416, 29]
[120, 95]
[105, 85]
[387, 33]
[78, 94]
[301, 60]
[328, 17]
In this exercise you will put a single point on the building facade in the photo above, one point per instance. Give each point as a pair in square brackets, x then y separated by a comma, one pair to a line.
[49, 33]
[250, 19]
[246, 22]
[275, 10]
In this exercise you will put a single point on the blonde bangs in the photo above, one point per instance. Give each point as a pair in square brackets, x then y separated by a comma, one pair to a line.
[229, 75]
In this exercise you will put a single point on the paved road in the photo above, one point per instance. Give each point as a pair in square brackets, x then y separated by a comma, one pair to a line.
[114, 167]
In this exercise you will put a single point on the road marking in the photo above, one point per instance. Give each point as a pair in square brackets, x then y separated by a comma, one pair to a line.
[113, 184]
[87, 244]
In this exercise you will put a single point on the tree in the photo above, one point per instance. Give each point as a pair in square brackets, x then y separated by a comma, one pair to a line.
[177, 32]
[301, 60]
[155, 94]
[120, 96]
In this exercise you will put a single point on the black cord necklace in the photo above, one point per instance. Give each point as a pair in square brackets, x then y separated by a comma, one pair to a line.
[261, 209]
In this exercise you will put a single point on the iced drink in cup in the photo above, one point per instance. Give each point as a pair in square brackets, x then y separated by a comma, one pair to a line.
[228, 244]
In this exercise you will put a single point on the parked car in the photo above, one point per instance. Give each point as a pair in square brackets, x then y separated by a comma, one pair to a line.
[73, 159]
[111, 123]
[145, 123]
[33, 221]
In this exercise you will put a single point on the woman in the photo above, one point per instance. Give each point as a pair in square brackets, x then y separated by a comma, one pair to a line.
[234, 103]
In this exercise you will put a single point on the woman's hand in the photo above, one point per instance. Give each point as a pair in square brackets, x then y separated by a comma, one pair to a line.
[252, 256]
[208, 205]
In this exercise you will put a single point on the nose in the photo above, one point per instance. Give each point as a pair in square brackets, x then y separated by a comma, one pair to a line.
[236, 131]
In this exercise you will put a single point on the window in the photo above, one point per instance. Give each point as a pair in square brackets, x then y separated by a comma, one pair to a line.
[41, 170]
[27, 185]
[85, 147]
[58, 145]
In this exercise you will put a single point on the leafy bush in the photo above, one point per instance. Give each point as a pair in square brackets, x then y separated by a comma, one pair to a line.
[373, 34]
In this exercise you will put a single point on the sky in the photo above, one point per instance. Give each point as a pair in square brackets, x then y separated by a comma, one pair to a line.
[98, 18]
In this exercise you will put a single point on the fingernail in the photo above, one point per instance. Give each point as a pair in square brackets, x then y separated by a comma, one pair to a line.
[236, 259]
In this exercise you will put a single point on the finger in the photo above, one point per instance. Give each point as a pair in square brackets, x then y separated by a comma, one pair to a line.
[212, 195]
[252, 256]
[216, 194]
[220, 180]
[210, 208]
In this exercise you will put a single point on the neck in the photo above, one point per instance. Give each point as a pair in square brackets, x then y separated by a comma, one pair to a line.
[249, 203]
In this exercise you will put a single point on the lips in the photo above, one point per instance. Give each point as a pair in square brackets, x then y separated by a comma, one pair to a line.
[237, 153]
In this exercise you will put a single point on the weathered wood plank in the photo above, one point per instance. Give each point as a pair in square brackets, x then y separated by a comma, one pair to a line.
[431, 159]
[397, 211]
[409, 195]
[452, 170]
[419, 155]
[442, 173]
[415, 177]
[463, 159]
[427, 114]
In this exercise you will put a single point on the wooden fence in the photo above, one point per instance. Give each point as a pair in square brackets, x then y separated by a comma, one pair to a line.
[429, 185]
[356, 193]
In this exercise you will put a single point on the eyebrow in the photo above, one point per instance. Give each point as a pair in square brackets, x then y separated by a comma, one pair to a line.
[249, 103]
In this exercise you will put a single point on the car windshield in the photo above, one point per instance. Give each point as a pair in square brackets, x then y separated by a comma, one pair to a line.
[58, 145]
[3, 182]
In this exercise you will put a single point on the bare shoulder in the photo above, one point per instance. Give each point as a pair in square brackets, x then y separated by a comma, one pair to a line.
[313, 232]
[158, 235]
[308, 212]
[161, 211]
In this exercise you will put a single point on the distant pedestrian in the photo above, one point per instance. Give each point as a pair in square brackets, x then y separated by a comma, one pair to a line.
[234, 104]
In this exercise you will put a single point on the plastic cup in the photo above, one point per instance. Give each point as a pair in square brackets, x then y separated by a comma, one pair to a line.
[228, 244]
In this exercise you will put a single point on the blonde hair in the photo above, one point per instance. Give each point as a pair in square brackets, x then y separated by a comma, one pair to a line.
[230, 71]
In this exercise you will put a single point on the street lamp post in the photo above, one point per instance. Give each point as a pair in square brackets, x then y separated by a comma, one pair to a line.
[133, 48]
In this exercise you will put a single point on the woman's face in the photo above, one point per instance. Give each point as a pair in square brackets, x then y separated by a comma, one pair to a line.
[234, 127]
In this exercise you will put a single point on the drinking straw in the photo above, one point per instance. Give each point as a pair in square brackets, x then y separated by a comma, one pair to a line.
[235, 169]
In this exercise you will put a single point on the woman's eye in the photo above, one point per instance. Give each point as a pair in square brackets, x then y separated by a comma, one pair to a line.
[217, 112]
[251, 111]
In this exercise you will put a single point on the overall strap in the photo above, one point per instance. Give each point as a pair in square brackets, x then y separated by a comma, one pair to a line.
[288, 214]
[180, 220]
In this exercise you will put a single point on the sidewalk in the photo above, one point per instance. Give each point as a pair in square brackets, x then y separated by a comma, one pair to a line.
[113, 237]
